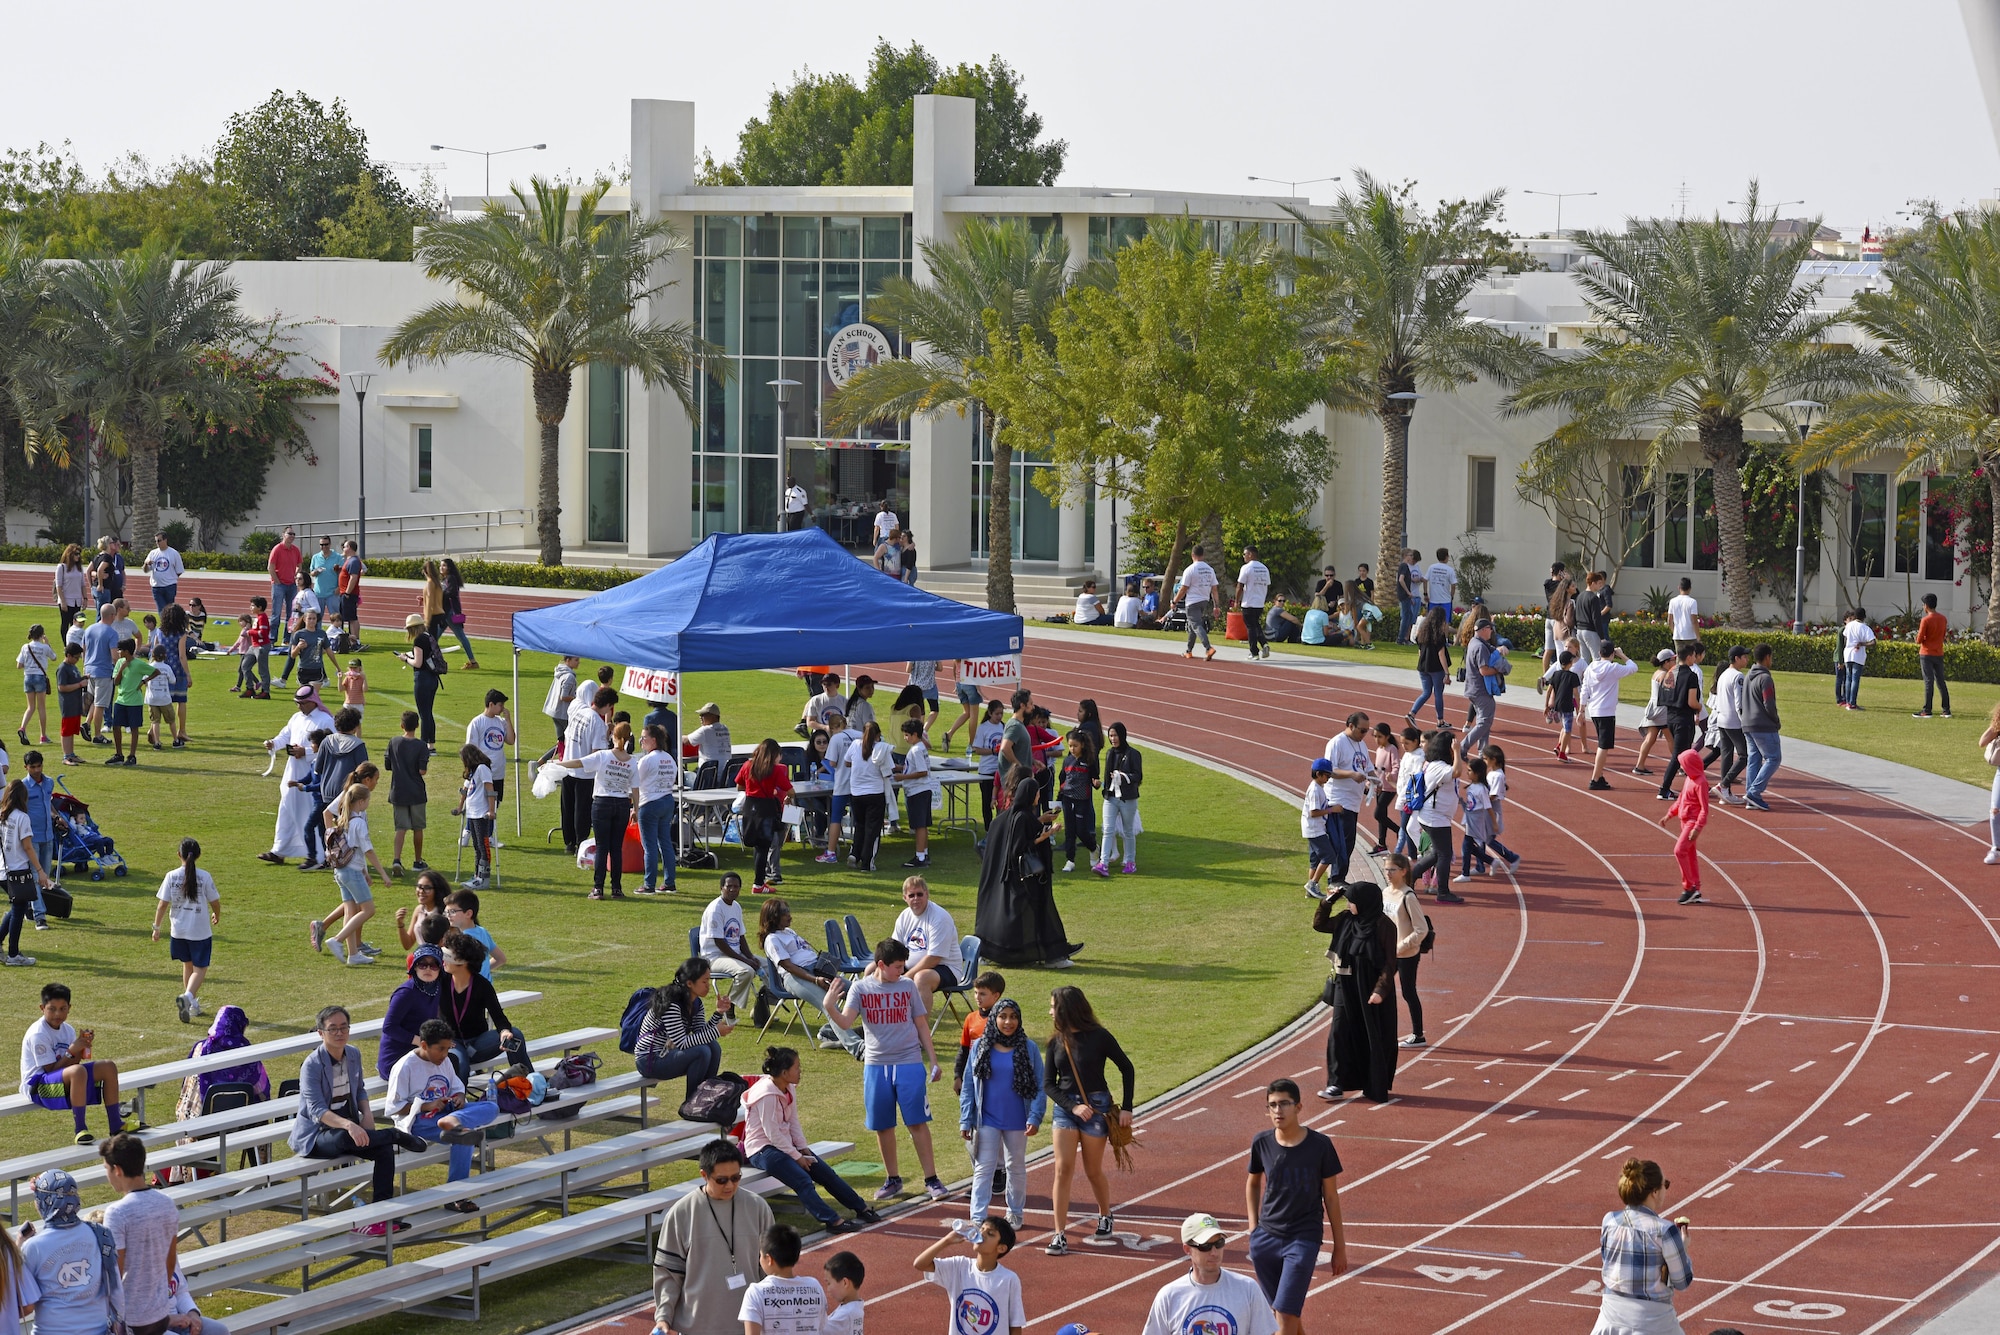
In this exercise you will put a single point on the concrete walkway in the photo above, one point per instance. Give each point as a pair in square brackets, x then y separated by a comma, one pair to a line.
[1950, 799]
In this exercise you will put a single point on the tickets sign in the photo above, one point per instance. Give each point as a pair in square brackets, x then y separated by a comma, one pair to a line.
[652, 684]
[1002, 671]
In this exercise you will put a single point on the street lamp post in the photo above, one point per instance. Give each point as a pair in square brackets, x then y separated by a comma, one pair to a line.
[781, 389]
[360, 380]
[1559, 196]
[1805, 413]
[488, 154]
[1293, 186]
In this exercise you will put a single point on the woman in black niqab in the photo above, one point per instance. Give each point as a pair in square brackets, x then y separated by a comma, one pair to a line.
[1016, 916]
[1361, 1045]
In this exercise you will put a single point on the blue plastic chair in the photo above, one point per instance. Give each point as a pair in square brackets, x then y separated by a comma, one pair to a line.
[694, 942]
[781, 997]
[968, 948]
[858, 943]
[837, 948]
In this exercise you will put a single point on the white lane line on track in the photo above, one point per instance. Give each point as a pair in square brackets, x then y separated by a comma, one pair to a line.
[1800, 1067]
[1761, 1084]
[1856, 1121]
[1842, 1048]
[1814, 1141]
[1967, 1155]
[1668, 1127]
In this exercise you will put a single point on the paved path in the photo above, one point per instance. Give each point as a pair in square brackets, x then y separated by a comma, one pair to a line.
[1812, 1056]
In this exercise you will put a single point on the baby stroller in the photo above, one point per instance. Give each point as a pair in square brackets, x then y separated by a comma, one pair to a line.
[79, 843]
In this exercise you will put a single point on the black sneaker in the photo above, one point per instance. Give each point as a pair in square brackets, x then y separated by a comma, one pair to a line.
[1687, 897]
[1599, 786]
[1694, 897]
[1058, 1246]
[1104, 1222]
[918, 862]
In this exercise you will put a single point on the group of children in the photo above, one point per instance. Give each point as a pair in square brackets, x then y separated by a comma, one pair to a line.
[1433, 787]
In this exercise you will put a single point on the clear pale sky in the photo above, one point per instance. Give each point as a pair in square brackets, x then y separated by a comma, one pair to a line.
[1855, 108]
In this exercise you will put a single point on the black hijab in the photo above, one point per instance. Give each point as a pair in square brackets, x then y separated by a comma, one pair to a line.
[982, 1056]
[1358, 942]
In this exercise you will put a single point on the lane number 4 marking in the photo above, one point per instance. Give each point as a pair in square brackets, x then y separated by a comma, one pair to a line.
[1448, 1274]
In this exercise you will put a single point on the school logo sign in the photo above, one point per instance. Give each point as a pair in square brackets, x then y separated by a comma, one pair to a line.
[853, 349]
[976, 1314]
[1210, 1320]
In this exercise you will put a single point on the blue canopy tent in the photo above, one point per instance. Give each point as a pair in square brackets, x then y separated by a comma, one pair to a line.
[755, 600]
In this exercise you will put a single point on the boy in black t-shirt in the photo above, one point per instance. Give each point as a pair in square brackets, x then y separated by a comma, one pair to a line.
[1683, 705]
[408, 759]
[1560, 701]
[69, 698]
[1291, 1190]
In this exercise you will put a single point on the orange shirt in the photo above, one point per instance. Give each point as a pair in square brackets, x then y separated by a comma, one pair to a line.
[1930, 634]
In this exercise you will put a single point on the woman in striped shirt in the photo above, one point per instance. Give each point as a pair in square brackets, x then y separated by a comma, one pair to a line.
[676, 1037]
[1645, 1257]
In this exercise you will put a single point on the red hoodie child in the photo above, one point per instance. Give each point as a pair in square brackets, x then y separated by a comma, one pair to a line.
[1692, 808]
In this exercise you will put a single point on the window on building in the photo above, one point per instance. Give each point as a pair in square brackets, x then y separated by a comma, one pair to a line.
[1108, 236]
[1674, 522]
[420, 458]
[1868, 524]
[1938, 537]
[1479, 494]
[604, 480]
[1707, 538]
[1639, 527]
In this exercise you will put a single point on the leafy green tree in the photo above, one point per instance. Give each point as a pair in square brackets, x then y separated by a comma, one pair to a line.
[996, 281]
[1939, 327]
[368, 229]
[49, 199]
[1384, 285]
[130, 348]
[827, 130]
[1177, 386]
[553, 285]
[1705, 325]
[217, 467]
[24, 293]
[290, 164]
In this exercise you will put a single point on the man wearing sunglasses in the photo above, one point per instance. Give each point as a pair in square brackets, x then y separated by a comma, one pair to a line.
[1292, 1184]
[1209, 1297]
[708, 1249]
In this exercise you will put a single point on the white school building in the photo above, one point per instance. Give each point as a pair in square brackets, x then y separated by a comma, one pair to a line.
[781, 279]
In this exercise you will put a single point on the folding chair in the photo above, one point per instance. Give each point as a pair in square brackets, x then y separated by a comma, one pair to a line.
[968, 947]
[781, 997]
[857, 941]
[837, 949]
[694, 941]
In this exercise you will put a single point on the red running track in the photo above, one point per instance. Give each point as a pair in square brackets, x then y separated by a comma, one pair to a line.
[1810, 1056]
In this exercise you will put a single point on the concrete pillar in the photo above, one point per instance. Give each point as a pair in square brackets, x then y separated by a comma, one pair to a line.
[942, 165]
[1069, 533]
[659, 434]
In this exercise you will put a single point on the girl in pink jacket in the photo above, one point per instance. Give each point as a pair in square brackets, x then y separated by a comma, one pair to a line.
[1692, 809]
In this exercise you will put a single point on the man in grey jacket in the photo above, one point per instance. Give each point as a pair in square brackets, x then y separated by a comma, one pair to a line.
[710, 1240]
[1760, 726]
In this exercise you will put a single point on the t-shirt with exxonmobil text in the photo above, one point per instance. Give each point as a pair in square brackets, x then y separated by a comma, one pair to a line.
[891, 1012]
[783, 1306]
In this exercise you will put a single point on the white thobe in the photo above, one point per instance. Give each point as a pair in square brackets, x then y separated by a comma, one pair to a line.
[295, 805]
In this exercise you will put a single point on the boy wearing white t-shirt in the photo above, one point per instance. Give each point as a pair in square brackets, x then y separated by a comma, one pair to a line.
[984, 1294]
[844, 1276]
[427, 1099]
[920, 789]
[1318, 805]
[782, 1303]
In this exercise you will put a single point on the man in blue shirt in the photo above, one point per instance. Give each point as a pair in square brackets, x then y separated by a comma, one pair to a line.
[41, 822]
[100, 641]
[325, 572]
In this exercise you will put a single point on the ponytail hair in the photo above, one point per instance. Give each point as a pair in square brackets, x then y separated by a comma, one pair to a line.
[777, 1061]
[190, 851]
[870, 736]
[356, 795]
[678, 993]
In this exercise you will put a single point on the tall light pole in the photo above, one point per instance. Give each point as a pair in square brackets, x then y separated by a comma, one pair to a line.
[1559, 196]
[781, 389]
[487, 153]
[359, 381]
[1293, 186]
[1805, 415]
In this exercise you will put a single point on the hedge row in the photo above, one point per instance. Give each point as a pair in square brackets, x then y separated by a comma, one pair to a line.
[1964, 660]
[511, 573]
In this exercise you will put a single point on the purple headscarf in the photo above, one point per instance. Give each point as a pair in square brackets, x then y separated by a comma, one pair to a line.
[228, 1032]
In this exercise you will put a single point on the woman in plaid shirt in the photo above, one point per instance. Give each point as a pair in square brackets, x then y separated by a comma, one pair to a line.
[1645, 1257]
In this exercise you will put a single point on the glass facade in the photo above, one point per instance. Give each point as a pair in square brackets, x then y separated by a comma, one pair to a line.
[604, 457]
[772, 291]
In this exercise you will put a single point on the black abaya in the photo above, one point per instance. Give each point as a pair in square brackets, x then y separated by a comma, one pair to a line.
[1016, 916]
[1361, 1043]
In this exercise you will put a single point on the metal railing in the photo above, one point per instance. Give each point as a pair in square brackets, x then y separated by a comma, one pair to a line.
[428, 534]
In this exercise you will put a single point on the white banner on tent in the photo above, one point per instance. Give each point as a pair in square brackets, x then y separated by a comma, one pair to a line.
[1002, 671]
[652, 684]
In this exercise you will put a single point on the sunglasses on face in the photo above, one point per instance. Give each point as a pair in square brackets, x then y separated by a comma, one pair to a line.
[1209, 1246]
[729, 1181]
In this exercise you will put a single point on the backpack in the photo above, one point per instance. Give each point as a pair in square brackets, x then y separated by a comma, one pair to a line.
[1416, 793]
[579, 1068]
[634, 1019]
[338, 853]
[717, 1100]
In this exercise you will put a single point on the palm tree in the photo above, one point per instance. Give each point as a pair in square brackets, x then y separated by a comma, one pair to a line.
[129, 347]
[24, 290]
[993, 268]
[1940, 325]
[1384, 285]
[553, 286]
[1704, 324]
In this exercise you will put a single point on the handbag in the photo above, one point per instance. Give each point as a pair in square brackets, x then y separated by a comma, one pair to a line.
[1122, 1137]
[1031, 865]
[791, 815]
[1992, 758]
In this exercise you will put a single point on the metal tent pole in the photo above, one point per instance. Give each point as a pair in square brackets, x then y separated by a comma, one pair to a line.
[517, 743]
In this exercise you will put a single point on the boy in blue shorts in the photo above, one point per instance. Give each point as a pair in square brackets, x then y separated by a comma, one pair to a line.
[898, 1065]
[1321, 854]
[58, 1070]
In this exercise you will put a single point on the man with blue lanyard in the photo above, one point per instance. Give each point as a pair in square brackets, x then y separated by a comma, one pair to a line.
[324, 570]
[41, 822]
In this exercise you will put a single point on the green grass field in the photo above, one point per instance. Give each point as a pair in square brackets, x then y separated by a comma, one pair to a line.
[1219, 864]
[1883, 727]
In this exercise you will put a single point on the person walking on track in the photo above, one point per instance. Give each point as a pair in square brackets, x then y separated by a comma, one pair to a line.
[1293, 1182]
[1197, 591]
[1253, 584]
[1760, 726]
[1691, 807]
[1082, 1106]
[1207, 1297]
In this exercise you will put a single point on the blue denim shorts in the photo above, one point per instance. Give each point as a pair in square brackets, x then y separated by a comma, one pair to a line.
[1064, 1118]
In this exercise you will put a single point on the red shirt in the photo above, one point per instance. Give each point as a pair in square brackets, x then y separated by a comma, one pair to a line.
[284, 563]
[260, 630]
[778, 783]
[1930, 634]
